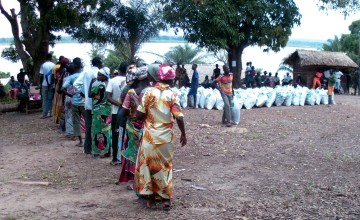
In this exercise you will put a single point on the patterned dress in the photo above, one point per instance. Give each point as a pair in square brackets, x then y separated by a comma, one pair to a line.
[153, 174]
[101, 120]
[58, 97]
[68, 112]
[132, 138]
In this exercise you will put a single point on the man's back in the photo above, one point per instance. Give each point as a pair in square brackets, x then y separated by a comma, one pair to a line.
[44, 70]
[82, 83]
[114, 87]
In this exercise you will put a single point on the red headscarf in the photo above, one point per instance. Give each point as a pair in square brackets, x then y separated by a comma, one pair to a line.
[166, 72]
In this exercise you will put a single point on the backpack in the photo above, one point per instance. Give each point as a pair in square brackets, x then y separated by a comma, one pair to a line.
[49, 78]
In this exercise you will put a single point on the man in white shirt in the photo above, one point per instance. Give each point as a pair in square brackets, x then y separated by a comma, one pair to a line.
[82, 83]
[113, 91]
[47, 87]
[338, 75]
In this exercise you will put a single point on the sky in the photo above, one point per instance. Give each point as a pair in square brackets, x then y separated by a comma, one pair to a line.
[315, 24]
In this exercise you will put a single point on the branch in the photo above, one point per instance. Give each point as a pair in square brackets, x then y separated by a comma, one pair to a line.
[5, 13]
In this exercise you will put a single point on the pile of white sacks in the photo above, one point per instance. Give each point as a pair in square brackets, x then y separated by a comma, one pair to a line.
[257, 97]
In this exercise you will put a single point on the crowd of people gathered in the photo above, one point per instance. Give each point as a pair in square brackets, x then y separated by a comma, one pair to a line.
[127, 116]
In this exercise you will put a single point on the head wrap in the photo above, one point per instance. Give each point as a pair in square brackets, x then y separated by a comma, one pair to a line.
[165, 72]
[130, 74]
[64, 61]
[141, 73]
[105, 72]
[153, 71]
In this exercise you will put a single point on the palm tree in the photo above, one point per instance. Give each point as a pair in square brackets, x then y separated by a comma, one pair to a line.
[332, 45]
[285, 67]
[182, 54]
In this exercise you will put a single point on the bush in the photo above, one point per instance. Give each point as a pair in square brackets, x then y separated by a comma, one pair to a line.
[4, 75]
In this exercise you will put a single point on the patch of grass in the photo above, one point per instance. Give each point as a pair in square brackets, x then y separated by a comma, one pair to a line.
[7, 99]
[10, 217]
[309, 189]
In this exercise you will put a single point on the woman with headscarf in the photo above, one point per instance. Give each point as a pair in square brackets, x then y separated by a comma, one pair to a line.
[101, 114]
[133, 126]
[158, 108]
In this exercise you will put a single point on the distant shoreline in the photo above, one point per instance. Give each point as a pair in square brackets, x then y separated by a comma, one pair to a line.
[300, 43]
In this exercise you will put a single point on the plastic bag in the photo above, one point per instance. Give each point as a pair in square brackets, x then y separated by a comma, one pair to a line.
[324, 97]
[280, 98]
[288, 99]
[261, 100]
[183, 98]
[235, 112]
[317, 97]
[210, 100]
[310, 97]
[250, 101]
[271, 99]
[219, 104]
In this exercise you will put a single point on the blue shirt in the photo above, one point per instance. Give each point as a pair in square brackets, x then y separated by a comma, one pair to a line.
[76, 99]
[195, 80]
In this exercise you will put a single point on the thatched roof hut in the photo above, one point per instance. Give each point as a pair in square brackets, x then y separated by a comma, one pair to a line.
[326, 59]
[307, 62]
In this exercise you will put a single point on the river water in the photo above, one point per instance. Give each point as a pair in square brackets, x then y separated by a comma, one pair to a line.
[269, 61]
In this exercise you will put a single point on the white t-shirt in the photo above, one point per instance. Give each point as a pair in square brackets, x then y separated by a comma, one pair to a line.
[44, 69]
[338, 75]
[82, 84]
[114, 86]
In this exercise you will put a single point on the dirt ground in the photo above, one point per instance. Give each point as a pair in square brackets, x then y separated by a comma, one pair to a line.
[279, 163]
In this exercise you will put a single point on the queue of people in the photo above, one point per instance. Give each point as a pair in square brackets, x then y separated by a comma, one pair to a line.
[129, 116]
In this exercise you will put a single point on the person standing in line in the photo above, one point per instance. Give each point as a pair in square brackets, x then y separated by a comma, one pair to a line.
[113, 92]
[82, 85]
[159, 108]
[194, 85]
[331, 85]
[58, 74]
[133, 126]
[77, 102]
[47, 87]
[101, 115]
[226, 91]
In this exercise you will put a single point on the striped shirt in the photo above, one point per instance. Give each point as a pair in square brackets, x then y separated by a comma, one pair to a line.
[225, 83]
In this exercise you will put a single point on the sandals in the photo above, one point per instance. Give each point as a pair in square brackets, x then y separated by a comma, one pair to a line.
[150, 203]
[79, 145]
[167, 205]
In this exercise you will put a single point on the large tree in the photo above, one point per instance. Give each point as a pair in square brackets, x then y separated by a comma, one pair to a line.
[348, 43]
[344, 6]
[120, 25]
[39, 21]
[234, 25]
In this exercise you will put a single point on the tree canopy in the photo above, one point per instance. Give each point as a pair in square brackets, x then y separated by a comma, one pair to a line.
[348, 43]
[39, 20]
[233, 25]
[344, 6]
[126, 26]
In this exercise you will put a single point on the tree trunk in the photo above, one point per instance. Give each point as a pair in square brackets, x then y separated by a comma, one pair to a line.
[235, 63]
[24, 56]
